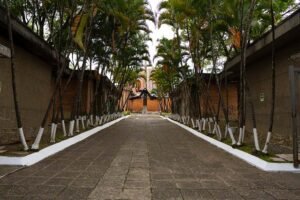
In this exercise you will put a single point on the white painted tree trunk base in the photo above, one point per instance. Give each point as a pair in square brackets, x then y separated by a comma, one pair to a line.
[200, 125]
[204, 125]
[256, 142]
[63, 126]
[53, 134]
[82, 123]
[265, 150]
[101, 120]
[233, 141]
[219, 132]
[22, 138]
[215, 128]
[226, 131]
[193, 123]
[77, 125]
[36, 144]
[71, 128]
[52, 131]
[240, 136]
[88, 122]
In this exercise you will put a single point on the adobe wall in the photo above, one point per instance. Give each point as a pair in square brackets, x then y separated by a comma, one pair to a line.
[259, 77]
[153, 105]
[69, 96]
[33, 82]
[186, 106]
[214, 101]
[136, 105]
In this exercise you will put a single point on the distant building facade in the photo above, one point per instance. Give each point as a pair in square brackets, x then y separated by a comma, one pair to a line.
[135, 103]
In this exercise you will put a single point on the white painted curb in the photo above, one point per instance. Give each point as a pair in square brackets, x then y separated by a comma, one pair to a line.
[55, 148]
[252, 160]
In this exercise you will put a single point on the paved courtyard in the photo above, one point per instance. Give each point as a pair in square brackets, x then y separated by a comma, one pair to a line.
[146, 157]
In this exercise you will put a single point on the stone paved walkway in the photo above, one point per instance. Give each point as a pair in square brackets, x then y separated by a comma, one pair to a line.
[146, 157]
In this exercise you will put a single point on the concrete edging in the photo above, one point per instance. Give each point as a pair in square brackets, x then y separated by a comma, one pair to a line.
[252, 160]
[55, 148]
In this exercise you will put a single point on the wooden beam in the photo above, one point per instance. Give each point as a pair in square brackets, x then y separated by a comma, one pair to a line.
[4, 51]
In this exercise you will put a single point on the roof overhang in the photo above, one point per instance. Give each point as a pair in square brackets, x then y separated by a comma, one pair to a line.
[285, 32]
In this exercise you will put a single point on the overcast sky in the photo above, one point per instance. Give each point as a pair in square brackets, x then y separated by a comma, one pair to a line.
[164, 31]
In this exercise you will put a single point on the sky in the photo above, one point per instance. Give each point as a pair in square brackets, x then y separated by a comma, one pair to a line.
[164, 31]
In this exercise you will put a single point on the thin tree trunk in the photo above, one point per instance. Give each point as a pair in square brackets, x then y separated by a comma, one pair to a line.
[269, 134]
[13, 78]
[245, 30]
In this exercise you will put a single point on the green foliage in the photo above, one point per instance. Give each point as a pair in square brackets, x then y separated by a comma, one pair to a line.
[192, 21]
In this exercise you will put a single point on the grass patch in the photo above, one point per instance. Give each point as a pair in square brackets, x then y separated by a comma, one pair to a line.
[165, 114]
[125, 113]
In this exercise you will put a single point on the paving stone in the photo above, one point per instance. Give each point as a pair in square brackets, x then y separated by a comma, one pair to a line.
[65, 174]
[10, 180]
[225, 194]
[5, 169]
[104, 193]
[14, 197]
[137, 184]
[115, 183]
[59, 181]
[247, 193]
[88, 174]
[25, 172]
[275, 159]
[33, 181]
[74, 193]
[282, 194]
[161, 176]
[138, 174]
[46, 191]
[184, 177]
[140, 165]
[164, 194]
[143, 194]
[85, 182]
[287, 157]
[189, 185]
[196, 194]
[163, 184]
[21, 190]
[213, 184]
[45, 173]
[4, 189]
